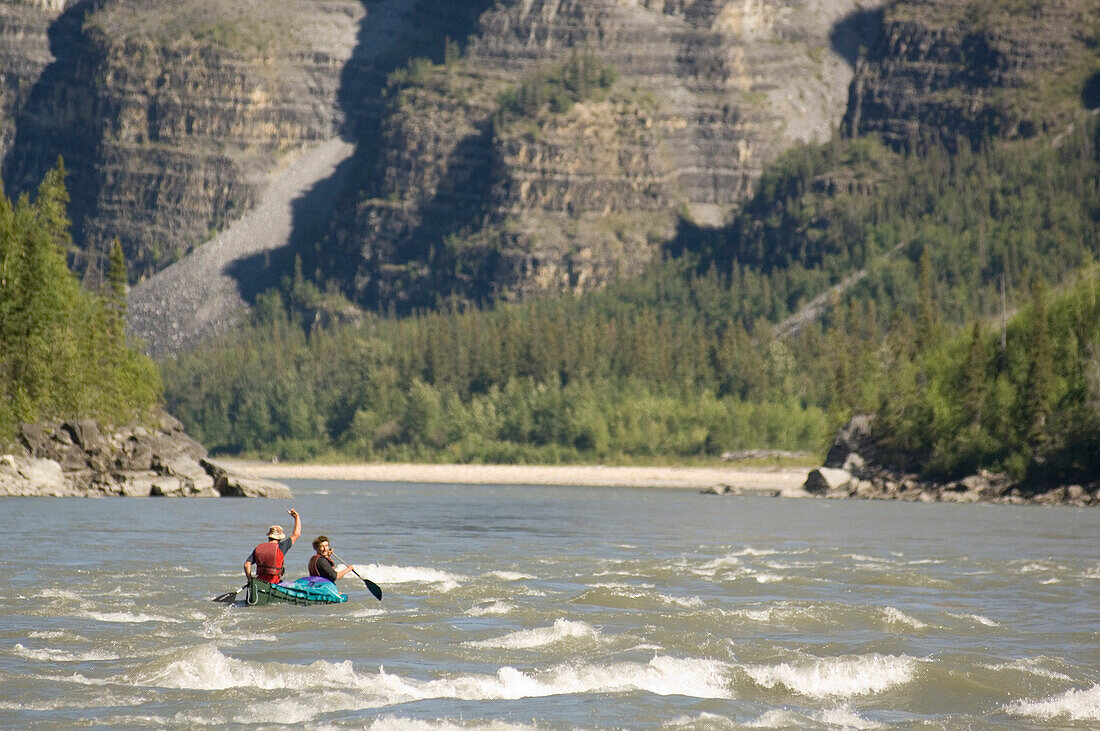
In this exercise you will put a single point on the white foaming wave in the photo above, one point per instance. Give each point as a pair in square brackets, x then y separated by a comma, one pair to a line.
[662, 675]
[296, 710]
[130, 617]
[206, 668]
[705, 720]
[441, 580]
[510, 575]
[493, 609]
[562, 629]
[894, 615]
[47, 654]
[1031, 665]
[1048, 582]
[645, 591]
[51, 634]
[1075, 704]
[687, 602]
[392, 723]
[58, 594]
[710, 568]
[623, 585]
[212, 632]
[842, 717]
[838, 677]
[757, 615]
[779, 613]
[866, 559]
[845, 718]
[976, 618]
[750, 551]
[366, 612]
[765, 578]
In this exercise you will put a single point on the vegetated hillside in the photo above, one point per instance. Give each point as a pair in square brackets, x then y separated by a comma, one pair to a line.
[685, 360]
[680, 362]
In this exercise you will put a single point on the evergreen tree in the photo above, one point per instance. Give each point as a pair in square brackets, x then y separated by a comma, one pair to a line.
[116, 292]
[1038, 389]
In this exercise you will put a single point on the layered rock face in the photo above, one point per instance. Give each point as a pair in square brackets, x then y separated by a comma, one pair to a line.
[80, 459]
[171, 115]
[946, 70]
[707, 94]
[24, 54]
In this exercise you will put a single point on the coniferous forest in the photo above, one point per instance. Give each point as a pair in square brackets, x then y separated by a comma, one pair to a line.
[64, 352]
[953, 293]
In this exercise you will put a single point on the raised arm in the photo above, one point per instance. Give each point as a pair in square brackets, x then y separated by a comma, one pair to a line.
[297, 525]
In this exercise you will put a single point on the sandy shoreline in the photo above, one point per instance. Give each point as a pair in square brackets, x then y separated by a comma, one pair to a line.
[787, 481]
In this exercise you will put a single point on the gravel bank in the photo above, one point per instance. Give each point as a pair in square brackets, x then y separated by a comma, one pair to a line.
[787, 481]
[200, 296]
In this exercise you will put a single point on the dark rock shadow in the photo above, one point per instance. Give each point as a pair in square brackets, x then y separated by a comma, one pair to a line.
[1090, 94]
[386, 40]
[854, 34]
[51, 124]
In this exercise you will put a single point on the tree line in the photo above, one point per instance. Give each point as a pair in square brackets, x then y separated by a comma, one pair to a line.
[63, 348]
[684, 361]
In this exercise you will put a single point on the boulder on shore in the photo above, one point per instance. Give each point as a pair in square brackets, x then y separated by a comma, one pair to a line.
[78, 458]
[828, 481]
[854, 468]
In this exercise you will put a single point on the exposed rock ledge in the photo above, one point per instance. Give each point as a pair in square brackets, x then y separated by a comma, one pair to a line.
[850, 470]
[78, 459]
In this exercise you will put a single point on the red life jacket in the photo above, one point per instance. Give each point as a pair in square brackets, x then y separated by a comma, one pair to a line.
[269, 562]
[314, 562]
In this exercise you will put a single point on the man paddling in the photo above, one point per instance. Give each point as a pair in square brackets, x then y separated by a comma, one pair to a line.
[268, 556]
[320, 563]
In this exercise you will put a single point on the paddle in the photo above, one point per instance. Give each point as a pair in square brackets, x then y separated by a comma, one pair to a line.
[373, 587]
[229, 596]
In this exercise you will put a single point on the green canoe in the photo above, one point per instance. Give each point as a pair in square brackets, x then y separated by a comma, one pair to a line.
[311, 590]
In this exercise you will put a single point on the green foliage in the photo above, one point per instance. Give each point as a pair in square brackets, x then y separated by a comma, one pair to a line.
[682, 362]
[581, 77]
[62, 349]
[1031, 408]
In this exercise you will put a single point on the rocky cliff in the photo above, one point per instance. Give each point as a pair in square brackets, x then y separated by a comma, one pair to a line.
[945, 70]
[483, 206]
[172, 117]
[169, 115]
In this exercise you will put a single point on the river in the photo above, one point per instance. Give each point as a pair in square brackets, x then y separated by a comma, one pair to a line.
[554, 607]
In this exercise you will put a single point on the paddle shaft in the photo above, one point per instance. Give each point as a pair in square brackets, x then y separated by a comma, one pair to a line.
[373, 587]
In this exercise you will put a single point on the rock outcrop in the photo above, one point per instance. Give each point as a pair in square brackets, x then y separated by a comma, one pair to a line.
[489, 208]
[852, 469]
[945, 70]
[79, 459]
[169, 116]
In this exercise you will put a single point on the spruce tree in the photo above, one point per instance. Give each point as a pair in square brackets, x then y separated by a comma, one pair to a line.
[1038, 391]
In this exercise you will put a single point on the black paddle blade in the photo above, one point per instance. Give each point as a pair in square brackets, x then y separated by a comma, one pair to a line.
[373, 587]
[228, 597]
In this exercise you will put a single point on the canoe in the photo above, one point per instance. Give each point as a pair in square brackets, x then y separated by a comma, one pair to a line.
[310, 590]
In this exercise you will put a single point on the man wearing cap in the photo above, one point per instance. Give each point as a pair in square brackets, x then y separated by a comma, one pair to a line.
[268, 556]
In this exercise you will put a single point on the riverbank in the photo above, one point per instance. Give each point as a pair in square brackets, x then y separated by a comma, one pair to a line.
[778, 481]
